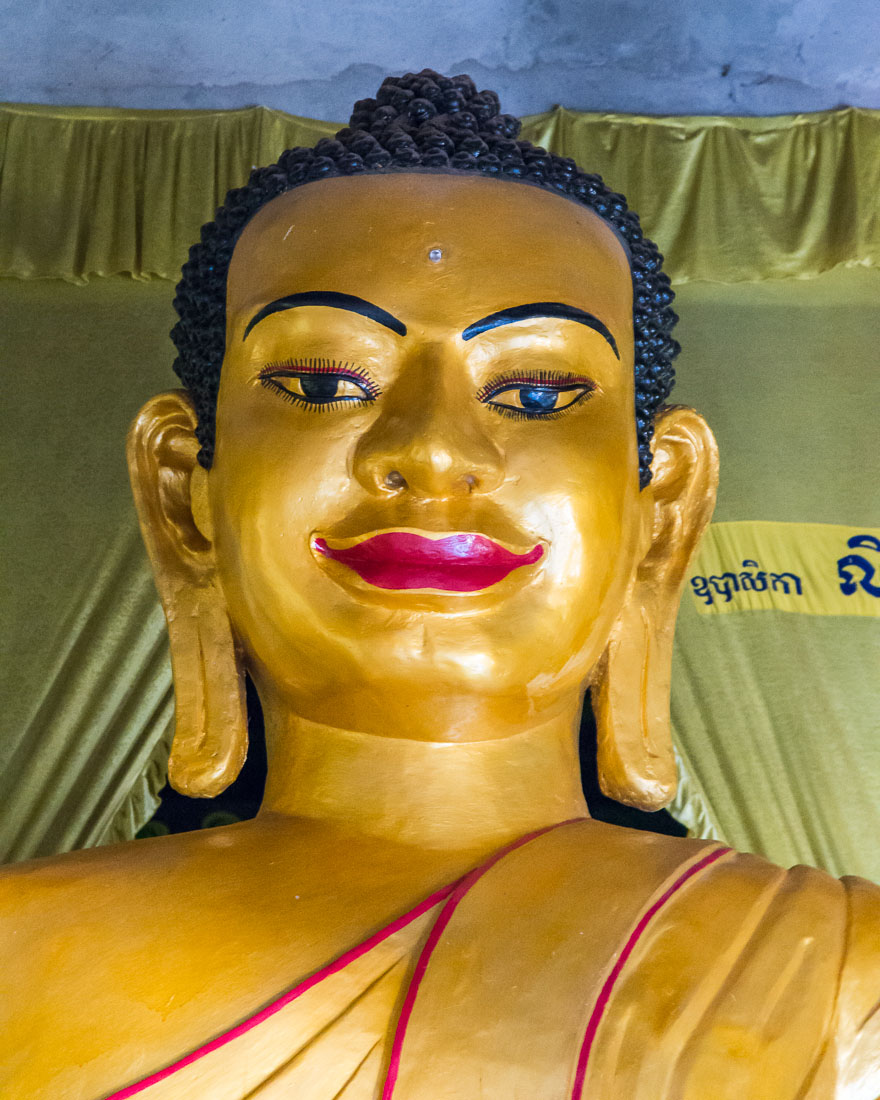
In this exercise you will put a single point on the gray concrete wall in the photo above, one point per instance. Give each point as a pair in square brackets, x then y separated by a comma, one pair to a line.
[314, 58]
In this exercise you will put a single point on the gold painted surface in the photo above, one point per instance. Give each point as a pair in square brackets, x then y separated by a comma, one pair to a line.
[411, 733]
[520, 1034]
[729, 991]
[327, 1043]
[119, 961]
[731, 994]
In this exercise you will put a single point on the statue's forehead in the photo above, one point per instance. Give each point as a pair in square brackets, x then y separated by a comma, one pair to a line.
[430, 238]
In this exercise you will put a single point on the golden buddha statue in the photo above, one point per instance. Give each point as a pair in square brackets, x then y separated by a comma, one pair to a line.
[419, 511]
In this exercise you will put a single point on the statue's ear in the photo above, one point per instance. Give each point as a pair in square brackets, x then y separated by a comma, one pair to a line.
[631, 682]
[210, 738]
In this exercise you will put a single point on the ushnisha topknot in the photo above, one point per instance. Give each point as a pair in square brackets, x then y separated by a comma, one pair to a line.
[420, 121]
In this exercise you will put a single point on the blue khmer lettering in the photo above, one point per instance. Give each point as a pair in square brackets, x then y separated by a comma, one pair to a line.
[729, 583]
[847, 565]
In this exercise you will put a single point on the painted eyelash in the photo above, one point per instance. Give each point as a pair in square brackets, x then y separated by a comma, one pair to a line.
[311, 406]
[314, 366]
[523, 414]
[319, 365]
[536, 378]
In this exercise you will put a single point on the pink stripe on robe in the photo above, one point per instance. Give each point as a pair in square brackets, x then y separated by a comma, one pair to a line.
[606, 990]
[455, 892]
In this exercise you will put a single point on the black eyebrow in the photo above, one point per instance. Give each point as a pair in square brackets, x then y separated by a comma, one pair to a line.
[329, 298]
[540, 309]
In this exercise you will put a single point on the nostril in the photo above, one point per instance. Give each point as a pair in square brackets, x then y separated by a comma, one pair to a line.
[395, 480]
[470, 481]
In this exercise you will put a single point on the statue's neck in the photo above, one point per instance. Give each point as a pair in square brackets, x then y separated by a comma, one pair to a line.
[430, 794]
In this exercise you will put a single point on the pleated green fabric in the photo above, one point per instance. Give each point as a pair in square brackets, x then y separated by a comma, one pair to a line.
[775, 714]
[85, 682]
[735, 199]
[97, 191]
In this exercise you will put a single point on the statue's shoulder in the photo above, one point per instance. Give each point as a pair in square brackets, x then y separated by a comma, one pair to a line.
[585, 846]
[863, 931]
[91, 951]
[728, 913]
[675, 946]
[51, 885]
[60, 914]
[65, 920]
[54, 884]
[708, 877]
[594, 856]
[62, 923]
[754, 935]
[858, 1039]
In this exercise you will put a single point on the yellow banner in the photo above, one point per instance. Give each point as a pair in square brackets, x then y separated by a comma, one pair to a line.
[810, 568]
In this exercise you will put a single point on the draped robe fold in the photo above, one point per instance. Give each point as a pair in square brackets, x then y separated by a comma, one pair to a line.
[584, 962]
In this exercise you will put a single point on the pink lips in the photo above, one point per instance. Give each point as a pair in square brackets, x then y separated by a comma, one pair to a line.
[455, 563]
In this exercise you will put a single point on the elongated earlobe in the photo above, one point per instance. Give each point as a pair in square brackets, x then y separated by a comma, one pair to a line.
[210, 731]
[631, 704]
[631, 682]
[210, 739]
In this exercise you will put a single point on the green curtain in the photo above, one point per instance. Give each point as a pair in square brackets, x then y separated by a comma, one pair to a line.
[84, 676]
[97, 191]
[775, 712]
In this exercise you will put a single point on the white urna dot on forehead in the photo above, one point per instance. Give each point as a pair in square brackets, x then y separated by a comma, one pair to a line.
[435, 255]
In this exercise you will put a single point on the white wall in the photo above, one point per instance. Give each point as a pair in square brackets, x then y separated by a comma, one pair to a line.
[314, 57]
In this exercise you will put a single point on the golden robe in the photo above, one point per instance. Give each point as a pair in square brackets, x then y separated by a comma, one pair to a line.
[585, 962]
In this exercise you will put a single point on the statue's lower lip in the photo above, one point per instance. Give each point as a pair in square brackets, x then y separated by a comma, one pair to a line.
[402, 560]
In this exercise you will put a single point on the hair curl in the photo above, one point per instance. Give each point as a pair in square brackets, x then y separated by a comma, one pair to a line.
[421, 121]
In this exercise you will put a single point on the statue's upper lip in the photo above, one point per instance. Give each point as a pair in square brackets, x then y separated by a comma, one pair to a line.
[459, 561]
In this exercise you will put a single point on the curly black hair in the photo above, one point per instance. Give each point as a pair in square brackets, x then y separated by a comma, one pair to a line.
[420, 122]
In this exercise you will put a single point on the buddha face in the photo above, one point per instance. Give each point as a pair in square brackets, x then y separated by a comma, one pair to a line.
[424, 499]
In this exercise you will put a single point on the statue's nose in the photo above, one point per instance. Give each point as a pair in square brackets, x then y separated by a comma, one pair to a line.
[435, 447]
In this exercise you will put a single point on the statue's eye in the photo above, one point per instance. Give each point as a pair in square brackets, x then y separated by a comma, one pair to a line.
[320, 388]
[535, 398]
